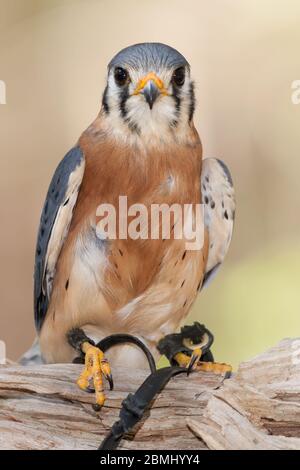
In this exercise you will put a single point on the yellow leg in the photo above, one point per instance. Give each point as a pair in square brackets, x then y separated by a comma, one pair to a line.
[96, 365]
[194, 363]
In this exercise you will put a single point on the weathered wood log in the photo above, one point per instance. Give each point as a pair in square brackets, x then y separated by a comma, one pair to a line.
[258, 408]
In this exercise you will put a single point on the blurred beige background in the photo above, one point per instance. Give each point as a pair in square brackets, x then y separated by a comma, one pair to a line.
[244, 54]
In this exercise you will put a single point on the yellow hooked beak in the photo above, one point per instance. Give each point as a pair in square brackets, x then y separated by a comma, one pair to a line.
[151, 86]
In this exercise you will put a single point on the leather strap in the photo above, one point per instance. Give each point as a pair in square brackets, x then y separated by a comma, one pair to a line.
[112, 340]
[134, 406]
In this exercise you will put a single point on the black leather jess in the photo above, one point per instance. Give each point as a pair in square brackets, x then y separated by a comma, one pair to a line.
[134, 405]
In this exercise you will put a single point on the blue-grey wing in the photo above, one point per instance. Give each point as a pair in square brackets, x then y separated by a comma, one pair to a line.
[54, 225]
[219, 212]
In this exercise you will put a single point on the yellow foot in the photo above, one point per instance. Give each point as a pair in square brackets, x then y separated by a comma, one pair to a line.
[215, 367]
[96, 365]
[188, 361]
[193, 363]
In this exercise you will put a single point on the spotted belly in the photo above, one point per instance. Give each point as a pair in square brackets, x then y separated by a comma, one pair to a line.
[102, 293]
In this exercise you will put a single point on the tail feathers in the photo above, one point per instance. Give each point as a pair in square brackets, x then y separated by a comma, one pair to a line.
[32, 356]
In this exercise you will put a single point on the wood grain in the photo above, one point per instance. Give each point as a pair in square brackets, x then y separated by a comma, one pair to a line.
[258, 408]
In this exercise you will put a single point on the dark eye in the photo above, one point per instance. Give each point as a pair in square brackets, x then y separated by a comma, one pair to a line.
[121, 76]
[179, 76]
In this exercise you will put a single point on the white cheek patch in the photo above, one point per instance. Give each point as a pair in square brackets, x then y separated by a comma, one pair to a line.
[113, 95]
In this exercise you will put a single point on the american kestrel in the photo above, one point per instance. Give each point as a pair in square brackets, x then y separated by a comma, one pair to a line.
[142, 145]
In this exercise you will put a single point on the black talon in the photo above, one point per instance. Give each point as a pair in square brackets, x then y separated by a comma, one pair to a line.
[96, 407]
[110, 381]
[195, 358]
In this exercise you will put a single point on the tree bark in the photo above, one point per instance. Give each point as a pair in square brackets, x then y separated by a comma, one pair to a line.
[258, 408]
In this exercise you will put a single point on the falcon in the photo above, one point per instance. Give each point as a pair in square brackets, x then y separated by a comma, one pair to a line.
[142, 145]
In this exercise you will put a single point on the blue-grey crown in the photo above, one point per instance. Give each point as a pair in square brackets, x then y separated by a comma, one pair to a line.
[150, 55]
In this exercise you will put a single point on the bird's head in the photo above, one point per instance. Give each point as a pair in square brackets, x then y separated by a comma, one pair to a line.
[149, 91]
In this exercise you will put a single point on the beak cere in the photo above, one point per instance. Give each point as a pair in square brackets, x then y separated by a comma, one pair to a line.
[150, 92]
[151, 86]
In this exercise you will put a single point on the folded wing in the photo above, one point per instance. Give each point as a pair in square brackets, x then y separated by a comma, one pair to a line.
[54, 226]
[219, 212]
